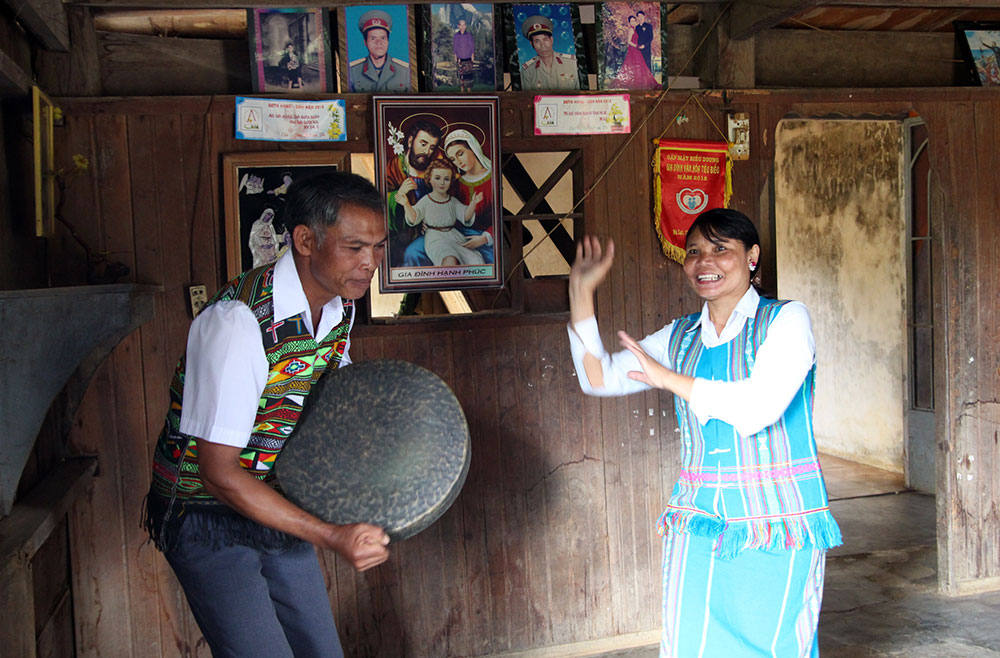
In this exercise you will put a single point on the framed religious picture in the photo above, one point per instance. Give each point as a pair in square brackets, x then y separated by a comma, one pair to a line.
[254, 188]
[459, 53]
[379, 49]
[437, 161]
[631, 45]
[546, 46]
[290, 51]
[980, 44]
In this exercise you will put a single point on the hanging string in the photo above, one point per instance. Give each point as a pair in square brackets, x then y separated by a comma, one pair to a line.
[661, 96]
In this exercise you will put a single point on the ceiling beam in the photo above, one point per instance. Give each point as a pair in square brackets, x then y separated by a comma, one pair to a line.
[748, 17]
[46, 19]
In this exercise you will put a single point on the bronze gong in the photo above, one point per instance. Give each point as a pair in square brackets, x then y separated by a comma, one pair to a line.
[382, 442]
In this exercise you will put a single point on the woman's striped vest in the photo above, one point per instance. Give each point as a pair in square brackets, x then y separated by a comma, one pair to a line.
[761, 491]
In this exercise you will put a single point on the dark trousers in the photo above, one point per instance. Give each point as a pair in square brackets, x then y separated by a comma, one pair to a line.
[252, 603]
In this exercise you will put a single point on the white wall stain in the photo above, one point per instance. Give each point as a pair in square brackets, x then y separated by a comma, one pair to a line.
[840, 240]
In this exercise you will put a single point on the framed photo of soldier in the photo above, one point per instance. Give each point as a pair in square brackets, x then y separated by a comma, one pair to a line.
[546, 46]
[254, 189]
[290, 51]
[631, 45]
[378, 49]
[437, 161]
[459, 47]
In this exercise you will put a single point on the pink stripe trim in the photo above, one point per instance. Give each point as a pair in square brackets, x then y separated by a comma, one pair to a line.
[768, 474]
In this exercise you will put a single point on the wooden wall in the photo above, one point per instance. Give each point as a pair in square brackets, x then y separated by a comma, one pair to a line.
[552, 540]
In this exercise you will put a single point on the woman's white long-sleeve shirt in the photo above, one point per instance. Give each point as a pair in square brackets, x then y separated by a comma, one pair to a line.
[781, 364]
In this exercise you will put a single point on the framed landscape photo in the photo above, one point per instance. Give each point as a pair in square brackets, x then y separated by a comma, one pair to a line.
[378, 45]
[546, 46]
[459, 52]
[437, 161]
[980, 43]
[290, 51]
[254, 189]
[631, 45]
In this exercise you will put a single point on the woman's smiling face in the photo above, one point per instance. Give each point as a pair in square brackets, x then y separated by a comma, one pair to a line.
[718, 270]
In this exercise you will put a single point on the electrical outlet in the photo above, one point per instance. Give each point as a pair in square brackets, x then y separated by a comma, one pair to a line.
[198, 298]
[739, 136]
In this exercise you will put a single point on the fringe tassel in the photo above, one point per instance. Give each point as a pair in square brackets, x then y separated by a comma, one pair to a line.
[818, 530]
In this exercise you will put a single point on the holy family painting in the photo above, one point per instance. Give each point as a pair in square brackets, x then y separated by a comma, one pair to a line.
[437, 163]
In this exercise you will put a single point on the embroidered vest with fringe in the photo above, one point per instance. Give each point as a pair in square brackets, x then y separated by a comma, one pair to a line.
[763, 491]
[296, 361]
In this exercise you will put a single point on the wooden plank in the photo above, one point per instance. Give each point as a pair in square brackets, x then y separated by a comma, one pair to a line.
[18, 633]
[46, 19]
[749, 17]
[854, 59]
[136, 65]
[14, 81]
[77, 72]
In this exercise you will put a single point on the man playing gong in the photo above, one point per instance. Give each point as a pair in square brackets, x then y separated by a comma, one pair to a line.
[242, 552]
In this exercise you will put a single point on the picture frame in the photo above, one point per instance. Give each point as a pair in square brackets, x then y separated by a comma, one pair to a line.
[254, 185]
[43, 126]
[980, 45]
[528, 70]
[631, 45]
[290, 51]
[442, 67]
[358, 72]
[436, 242]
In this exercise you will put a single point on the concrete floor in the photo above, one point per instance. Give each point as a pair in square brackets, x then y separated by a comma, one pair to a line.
[880, 597]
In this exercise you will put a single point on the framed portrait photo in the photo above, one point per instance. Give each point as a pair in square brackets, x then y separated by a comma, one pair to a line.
[980, 43]
[631, 45]
[290, 51]
[379, 49]
[459, 52]
[254, 189]
[437, 161]
[546, 43]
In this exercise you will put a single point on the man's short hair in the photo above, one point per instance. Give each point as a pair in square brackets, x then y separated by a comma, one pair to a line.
[316, 200]
[640, 12]
[428, 127]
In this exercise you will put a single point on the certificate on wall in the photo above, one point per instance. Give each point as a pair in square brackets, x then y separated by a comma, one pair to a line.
[582, 115]
[287, 120]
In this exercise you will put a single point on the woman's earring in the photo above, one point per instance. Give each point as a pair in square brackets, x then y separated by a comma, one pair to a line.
[753, 266]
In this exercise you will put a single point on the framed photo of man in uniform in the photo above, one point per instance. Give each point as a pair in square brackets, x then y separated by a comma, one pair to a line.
[437, 161]
[460, 47]
[378, 49]
[631, 45]
[547, 42]
[290, 51]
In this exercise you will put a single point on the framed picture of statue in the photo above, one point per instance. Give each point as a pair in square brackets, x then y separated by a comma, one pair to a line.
[378, 49]
[545, 42]
[437, 161]
[459, 53]
[290, 51]
[631, 45]
[254, 189]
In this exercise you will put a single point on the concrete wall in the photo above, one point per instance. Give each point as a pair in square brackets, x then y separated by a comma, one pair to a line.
[840, 237]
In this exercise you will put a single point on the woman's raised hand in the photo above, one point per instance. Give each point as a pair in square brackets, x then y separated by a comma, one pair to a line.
[653, 373]
[591, 265]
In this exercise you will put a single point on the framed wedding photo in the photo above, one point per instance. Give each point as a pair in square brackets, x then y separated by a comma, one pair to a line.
[631, 45]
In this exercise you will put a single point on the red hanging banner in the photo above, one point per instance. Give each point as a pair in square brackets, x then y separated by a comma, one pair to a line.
[689, 177]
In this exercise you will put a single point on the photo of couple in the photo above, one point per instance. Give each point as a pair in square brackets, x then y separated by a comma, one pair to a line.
[632, 56]
[436, 167]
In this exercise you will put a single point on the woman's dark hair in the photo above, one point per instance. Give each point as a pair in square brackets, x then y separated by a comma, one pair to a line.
[720, 224]
[317, 200]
